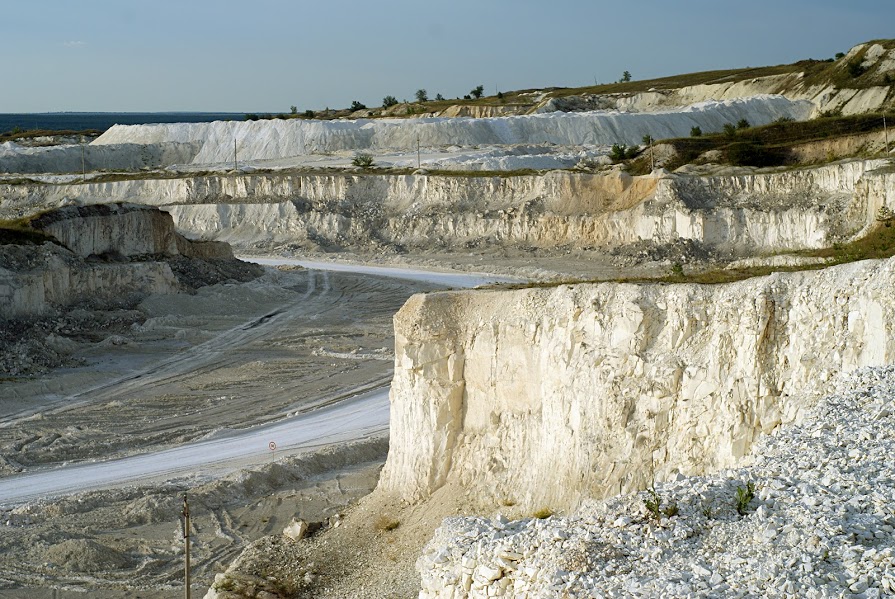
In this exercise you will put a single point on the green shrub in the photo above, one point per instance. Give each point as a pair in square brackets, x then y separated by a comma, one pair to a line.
[695, 132]
[855, 68]
[544, 512]
[743, 124]
[386, 523]
[293, 109]
[654, 507]
[389, 101]
[730, 130]
[744, 497]
[362, 160]
[309, 114]
[477, 91]
[620, 152]
[355, 105]
[750, 153]
[422, 95]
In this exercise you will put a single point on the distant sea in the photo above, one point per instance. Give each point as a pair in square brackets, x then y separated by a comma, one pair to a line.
[79, 121]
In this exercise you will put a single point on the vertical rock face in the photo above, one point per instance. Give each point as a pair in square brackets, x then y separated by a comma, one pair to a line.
[543, 396]
[134, 236]
[125, 229]
[61, 284]
[804, 208]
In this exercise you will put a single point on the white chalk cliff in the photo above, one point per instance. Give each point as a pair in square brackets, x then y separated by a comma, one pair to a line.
[795, 209]
[546, 396]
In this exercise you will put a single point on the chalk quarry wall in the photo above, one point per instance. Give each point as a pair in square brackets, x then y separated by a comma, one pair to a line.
[796, 209]
[545, 396]
[53, 276]
[128, 230]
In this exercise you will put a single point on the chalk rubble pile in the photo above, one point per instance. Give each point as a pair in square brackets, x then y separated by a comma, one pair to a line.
[821, 523]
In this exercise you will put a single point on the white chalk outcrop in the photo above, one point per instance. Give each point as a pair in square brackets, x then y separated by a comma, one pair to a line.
[127, 230]
[57, 281]
[824, 96]
[133, 243]
[748, 213]
[547, 396]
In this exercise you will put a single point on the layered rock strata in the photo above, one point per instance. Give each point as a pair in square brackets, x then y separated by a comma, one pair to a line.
[804, 208]
[544, 396]
[103, 253]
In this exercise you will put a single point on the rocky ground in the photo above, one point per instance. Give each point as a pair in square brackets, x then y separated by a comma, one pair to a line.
[812, 516]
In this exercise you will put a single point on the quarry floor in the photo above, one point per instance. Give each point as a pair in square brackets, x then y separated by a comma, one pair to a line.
[228, 357]
[178, 369]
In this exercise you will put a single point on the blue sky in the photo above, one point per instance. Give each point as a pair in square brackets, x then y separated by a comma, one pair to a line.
[266, 55]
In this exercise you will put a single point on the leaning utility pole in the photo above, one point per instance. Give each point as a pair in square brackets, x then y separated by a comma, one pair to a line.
[186, 539]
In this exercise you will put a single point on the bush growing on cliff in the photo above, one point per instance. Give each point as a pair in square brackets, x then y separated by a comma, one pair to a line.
[477, 91]
[355, 105]
[695, 132]
[389, 101]
[855, 68]
[422, 95]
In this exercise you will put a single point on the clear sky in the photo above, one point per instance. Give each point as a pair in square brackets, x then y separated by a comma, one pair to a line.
[266, 55]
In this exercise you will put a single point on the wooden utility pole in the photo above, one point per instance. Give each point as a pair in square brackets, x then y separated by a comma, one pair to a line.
[186, 540]
[886, 132]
